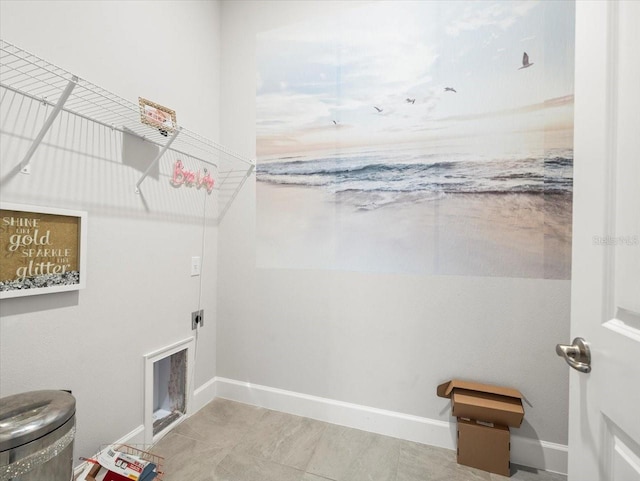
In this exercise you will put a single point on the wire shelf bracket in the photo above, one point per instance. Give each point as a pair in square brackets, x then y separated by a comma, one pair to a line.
[157, 159]
[25, 165]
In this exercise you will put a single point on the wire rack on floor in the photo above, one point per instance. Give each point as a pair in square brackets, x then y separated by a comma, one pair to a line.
[133, 449]
[27, 74]
[140, 450]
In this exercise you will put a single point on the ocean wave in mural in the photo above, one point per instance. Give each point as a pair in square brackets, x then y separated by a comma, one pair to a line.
[435, 145]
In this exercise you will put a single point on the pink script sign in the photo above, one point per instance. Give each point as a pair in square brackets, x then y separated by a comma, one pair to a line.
[182, 176]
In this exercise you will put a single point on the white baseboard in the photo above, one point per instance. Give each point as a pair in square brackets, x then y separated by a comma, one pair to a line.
[403, 426]
[524, 451]
[539, 454]
[203, 396]
[134, 437]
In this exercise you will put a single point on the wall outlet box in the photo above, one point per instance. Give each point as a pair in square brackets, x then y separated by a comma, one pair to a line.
[195, 266]
[197, 317]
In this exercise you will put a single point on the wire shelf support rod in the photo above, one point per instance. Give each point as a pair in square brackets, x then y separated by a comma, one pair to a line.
[25, 166]
[157, 159]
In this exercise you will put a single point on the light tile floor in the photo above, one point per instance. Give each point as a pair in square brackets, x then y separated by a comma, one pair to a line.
[230, 441]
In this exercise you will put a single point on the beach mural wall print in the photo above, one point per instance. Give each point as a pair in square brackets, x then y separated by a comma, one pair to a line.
[430, 138]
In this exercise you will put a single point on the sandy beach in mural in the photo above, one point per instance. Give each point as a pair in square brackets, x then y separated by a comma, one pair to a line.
[444, 147]
[514, 232]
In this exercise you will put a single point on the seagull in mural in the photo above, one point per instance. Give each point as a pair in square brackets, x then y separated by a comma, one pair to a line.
[450, 89]
[379, 110]
[334, 122]
[411, 101]
[525, 61]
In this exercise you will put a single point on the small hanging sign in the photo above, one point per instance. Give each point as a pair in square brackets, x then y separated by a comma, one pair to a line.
[189, 178]
[156, 115]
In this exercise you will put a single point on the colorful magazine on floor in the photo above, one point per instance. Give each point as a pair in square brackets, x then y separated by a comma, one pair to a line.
[129, 466]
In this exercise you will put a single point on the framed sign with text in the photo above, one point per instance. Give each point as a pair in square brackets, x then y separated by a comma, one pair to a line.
[43, 250]
[156, 115]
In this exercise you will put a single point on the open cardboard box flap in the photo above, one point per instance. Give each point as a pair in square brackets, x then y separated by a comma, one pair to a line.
[445, 389]
[483, 402]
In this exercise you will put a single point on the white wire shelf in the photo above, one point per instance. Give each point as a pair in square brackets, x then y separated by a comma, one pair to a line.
[29, 75]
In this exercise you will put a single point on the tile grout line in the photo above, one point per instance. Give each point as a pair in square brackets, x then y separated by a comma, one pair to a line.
[315, 445]
[395, 474]
[244, 435]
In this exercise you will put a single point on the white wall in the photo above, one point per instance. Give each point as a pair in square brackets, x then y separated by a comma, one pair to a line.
[139, 295]
[384, 341]
[378, 340]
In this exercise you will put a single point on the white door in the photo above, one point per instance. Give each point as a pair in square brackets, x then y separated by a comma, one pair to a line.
[604, 420]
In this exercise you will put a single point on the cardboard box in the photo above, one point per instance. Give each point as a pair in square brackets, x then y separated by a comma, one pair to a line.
[484, 447]
[484, 402]
[484, 414]
[93, 472]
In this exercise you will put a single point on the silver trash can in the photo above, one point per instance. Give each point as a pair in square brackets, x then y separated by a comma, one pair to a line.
[37, 430]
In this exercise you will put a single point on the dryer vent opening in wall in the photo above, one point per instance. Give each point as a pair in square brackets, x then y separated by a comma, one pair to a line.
[168, 377]
[169, 390]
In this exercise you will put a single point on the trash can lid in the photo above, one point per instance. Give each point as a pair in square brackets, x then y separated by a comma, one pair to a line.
[31, 415]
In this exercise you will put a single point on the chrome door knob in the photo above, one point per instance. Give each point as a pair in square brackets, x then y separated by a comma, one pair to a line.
[577, 355]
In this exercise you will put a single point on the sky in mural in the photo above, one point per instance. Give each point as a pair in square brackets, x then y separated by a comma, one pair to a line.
[414, 137]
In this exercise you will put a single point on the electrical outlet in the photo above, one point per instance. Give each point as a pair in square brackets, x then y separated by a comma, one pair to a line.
[195, 266]
[197, 317]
